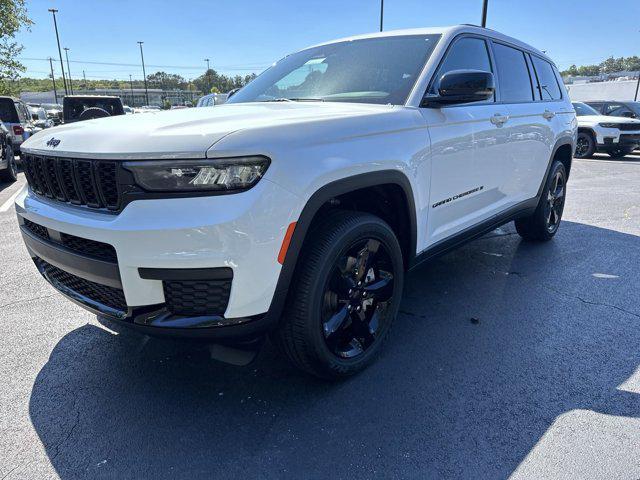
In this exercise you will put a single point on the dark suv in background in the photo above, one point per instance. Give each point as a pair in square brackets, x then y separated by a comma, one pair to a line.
[88, 107]
[616, 109]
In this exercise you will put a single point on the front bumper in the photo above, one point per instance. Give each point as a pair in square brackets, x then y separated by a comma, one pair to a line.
[240, 233]
[612, 137]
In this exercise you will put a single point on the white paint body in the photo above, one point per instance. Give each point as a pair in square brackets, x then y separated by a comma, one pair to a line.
[441, 151]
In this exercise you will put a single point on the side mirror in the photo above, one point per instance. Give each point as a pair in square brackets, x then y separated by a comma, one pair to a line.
[34, 116]
[462, 86]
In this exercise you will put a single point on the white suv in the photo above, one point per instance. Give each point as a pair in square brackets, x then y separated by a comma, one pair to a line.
[617, 136]
[295, 208]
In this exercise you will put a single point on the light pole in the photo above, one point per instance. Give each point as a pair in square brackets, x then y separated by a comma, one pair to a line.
[484, 13]
[381, 13]
[635, 99]
[66, 54]
[55, 24]
[207, 75]
[133, 103]
[85, 79]
[144, 73]
[53, 79]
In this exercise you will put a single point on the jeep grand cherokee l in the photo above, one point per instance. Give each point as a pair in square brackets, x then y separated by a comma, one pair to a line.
[617, 136]
[295, 208]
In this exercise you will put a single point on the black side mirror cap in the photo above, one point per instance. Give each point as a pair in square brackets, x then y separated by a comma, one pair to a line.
[462, 86]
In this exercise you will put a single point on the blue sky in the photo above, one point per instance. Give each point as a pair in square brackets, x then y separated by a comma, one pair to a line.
[243, 36]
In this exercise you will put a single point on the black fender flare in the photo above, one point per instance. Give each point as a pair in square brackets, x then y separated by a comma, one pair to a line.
[317, 200]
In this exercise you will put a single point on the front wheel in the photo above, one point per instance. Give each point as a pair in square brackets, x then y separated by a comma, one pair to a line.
[345, 295]
[585, 145]
[543, 224]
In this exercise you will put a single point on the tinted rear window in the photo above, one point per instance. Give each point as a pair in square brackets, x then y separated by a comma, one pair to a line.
[513, 74]
[549, 88]
[73, 107]
[8, 112]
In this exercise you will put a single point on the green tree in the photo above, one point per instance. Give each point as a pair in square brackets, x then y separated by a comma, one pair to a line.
[13, 17]
[612, 65]
[167, 81]
[632, 63]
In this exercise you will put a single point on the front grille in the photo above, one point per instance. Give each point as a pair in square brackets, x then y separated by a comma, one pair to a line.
[197, 297]
[37, 230]
[92, 183]
[100, 250]
[628, 127]
[101, 294]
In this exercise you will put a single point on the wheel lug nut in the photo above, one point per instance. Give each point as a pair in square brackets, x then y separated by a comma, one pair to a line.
[358, 308]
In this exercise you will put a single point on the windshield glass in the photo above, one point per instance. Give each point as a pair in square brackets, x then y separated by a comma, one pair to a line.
[584, 109]
[373, 70]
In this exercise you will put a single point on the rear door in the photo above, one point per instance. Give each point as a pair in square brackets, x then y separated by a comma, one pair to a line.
[530, 134]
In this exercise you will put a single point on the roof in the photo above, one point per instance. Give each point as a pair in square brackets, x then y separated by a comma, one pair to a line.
[91, 96]
[447, 31]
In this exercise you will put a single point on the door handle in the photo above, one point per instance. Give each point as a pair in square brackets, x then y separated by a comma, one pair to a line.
[548, 114]
[499, 120]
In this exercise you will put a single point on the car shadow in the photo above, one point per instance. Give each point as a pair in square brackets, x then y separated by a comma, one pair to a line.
[493, 343]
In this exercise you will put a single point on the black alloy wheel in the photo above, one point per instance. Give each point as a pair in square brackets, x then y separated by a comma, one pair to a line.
[543, 223]
[555, 200]
[344, 295]
[585, 145]
[356, 298]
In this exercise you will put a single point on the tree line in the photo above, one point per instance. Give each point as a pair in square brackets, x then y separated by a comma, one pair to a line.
[610, 65]
[209, 82]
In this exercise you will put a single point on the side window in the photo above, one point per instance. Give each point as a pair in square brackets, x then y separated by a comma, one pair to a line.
[618, 110]
[467, 53]
[548, 83]
[597, 106]
[21, 115]
[514, 81]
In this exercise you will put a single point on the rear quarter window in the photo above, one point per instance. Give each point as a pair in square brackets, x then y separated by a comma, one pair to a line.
[547, 81]
[8, 113]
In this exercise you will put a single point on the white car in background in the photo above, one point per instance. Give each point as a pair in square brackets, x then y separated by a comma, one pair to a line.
[212, 99]
[617, 136]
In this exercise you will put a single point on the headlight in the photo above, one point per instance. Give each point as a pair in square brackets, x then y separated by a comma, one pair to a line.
[239, 173]
[609, 125]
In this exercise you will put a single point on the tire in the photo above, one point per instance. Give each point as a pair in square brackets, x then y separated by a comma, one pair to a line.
[543, 224]
[93, 112]
[619, 152]
[585, 145]
[329, 328]
[9, 174]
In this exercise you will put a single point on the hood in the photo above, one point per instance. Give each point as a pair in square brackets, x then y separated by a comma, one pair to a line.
[593, 119]
[185, 133]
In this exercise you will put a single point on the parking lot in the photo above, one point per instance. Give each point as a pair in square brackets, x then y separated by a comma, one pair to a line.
[508, 359]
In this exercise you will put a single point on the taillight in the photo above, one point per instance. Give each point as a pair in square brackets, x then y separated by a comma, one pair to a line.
[18, 130]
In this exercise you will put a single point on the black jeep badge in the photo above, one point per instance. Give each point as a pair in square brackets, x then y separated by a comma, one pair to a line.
[53, 142]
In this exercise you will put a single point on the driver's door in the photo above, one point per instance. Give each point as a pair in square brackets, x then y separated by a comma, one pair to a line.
[466, 143]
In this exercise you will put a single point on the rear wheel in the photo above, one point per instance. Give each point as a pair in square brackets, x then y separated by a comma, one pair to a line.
[9, 174]
[543, 224]
[346, 293]
[619, 152]
[585, 145]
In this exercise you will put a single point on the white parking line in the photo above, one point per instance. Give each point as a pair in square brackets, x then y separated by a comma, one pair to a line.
[9, 203]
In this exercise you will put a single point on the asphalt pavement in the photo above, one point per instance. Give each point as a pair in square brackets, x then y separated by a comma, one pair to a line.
[508, 359]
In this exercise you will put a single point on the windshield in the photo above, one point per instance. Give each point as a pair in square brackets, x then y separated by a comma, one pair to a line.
[584, 109]
[373, 70]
